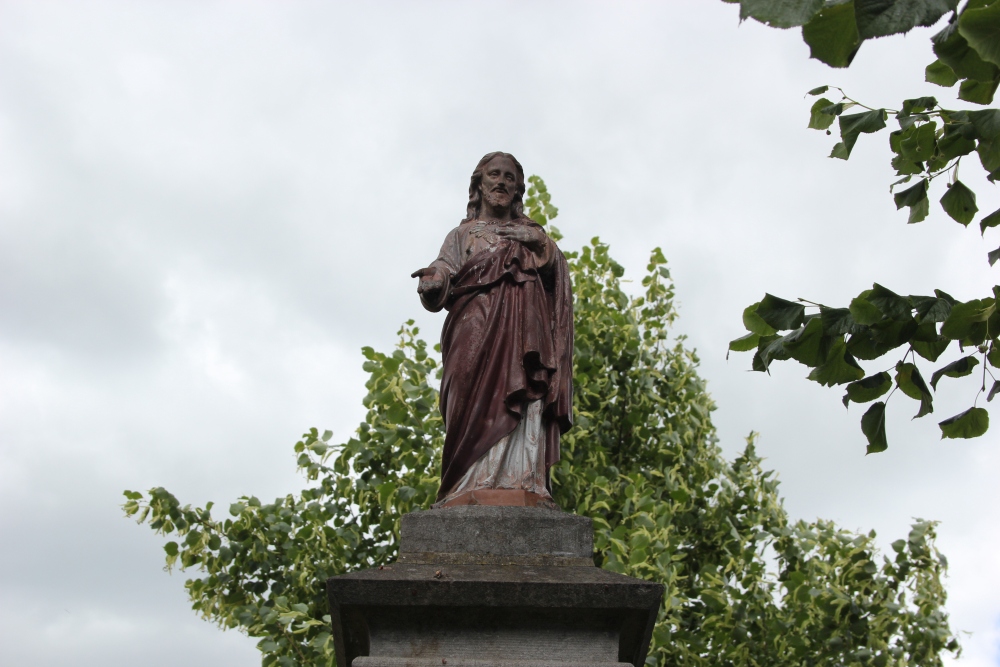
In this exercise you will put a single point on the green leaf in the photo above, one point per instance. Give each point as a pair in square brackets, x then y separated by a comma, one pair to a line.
[911, 196]
[955, 369]
[772, 348]
[837, 321]
[818, 119]
[881, 337]
[753, 322]
[993, 256]
[993, 390]
[879, 18]
[910, 382]
[931, 349]
[917, 144]
[780, 13]
[763, 356]
[852, 125]
[891, 333]
[832, 35]
[979, 92]
[779, 313]
[818, 91]
[868, 389]
[919, 211]
[952, 49]
[807, 345]
[939, 73]
[873, 426]
[917, 104]
[953, 144]
[970, 424]
[992, 220]
[745, 343]
[904, 167]
[888, 302]
[989, 154]
[960, 203]
[839, 367]
[385, 491]
[980, 26]
[863, 311]
[931, 309]
[986, 123]
[171, 548]
[839, 108]
[964, 316]
[944, 295]
[993, 356]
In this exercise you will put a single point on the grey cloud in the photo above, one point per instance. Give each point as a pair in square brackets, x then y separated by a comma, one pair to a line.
[207, 208]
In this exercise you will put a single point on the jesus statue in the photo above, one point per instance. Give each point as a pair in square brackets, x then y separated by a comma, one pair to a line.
[507, 343]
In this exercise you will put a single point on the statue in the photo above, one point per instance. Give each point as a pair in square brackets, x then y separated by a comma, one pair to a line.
[496, 585]
[507, 344]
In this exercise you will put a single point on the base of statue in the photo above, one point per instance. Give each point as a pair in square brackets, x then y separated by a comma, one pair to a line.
[489, 586]
[499, 497]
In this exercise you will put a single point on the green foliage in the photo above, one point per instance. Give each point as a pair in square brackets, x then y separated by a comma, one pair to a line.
[873, 426]
[836, 29]
[744, 585]
[922, 149]
[931, 141]
[538, 202]
[970, 424]
[878, 322]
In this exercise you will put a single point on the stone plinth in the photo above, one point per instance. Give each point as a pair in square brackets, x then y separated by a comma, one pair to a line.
[499, 497]
[486, 586]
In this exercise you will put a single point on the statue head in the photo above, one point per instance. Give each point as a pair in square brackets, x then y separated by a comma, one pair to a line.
[476, 193]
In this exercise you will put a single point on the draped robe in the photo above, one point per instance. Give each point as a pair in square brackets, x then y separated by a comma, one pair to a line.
[507, 340]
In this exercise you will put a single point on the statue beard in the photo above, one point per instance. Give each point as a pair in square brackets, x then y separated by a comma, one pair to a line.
[497, 198]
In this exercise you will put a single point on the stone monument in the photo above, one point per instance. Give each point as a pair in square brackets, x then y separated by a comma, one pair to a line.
[496, 575]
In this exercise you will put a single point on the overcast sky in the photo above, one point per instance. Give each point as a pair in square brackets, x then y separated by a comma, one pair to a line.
[207, 208]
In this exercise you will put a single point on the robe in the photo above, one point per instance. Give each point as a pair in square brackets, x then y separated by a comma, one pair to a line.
[507, 341]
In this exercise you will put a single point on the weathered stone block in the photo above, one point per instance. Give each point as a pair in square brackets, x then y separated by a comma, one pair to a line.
[481, 586]
[487, 534]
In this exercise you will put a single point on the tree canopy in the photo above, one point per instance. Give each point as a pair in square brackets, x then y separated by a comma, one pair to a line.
[745, 584]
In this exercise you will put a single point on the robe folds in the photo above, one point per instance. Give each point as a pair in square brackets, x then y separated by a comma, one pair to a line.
[507, 340]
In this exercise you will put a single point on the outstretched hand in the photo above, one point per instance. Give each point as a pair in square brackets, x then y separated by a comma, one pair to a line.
[431, 280]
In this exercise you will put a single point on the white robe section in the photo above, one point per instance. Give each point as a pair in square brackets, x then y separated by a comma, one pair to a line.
[517, 461]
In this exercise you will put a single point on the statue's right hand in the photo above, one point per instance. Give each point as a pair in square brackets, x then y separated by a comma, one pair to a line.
[431, 280]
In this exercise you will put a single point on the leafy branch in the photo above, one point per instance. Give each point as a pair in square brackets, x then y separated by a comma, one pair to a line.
[922, 148]
[833, 340]
[931, 141]
[967, 48]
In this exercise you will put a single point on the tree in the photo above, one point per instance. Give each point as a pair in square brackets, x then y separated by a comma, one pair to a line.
[931, 141]
[641, 461]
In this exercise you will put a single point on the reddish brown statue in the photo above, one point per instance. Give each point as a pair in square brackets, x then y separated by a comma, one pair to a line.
[506, 392]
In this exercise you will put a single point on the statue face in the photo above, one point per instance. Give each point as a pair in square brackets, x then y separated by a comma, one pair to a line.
[499, 182]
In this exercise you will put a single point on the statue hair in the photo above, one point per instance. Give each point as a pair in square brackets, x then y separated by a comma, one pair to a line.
[475, 206]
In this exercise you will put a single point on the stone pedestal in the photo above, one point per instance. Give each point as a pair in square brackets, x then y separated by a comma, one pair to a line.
[487, 586]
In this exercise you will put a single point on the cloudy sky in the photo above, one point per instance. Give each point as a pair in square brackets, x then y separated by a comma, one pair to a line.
[207, 208]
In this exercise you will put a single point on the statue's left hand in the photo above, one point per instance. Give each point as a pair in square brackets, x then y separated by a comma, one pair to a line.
[532, 237]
